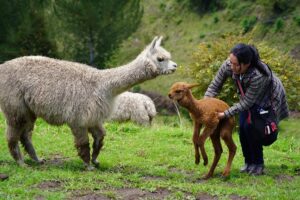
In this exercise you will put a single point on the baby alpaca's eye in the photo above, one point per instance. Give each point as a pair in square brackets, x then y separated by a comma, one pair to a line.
[160, 59]
[177, 91]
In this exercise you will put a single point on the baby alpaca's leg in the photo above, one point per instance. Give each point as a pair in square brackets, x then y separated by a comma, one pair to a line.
[197, 128]
[226, 134]
[215, 138]
[207, 132]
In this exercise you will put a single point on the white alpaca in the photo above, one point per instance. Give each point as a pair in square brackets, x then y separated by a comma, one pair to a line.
[136, 107]
[63, 92]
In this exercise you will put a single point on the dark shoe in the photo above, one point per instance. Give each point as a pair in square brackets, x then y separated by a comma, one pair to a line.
[251, 168]
[259, 170]
[244, 169]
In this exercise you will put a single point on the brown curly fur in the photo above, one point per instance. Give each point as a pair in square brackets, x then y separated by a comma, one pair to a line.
[205, 112]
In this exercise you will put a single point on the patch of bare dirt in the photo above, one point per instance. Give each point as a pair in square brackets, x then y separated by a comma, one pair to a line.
[3, 177]
[284, 178]
[39, 197]
[204, 196]
[154, 178]
[237, 197]
[135, 193]
[88, 195]
[50, 185]
[57, 160]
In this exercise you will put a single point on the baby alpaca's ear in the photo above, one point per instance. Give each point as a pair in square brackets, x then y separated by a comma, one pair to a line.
[190, 86]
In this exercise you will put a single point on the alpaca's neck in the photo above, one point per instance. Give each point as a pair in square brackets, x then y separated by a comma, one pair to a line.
[122, 78]
[192, 104]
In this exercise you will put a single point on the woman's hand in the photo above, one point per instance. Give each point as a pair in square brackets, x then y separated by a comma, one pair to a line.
[221, 115]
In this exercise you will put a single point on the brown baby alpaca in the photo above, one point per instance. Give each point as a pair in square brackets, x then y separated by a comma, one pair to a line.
[205, 112]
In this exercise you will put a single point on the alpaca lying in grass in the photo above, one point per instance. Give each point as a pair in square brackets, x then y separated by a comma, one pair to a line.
[63, 92]
[136, 107]
[163, 104]
[204, 112]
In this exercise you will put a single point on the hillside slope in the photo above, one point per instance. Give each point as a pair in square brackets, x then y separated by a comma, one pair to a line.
[183, 29]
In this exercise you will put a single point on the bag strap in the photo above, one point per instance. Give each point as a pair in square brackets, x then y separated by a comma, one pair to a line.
[243, 94]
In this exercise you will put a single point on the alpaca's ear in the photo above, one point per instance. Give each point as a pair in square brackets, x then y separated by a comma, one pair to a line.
[153, 43]
[158, 42]
[190, 86]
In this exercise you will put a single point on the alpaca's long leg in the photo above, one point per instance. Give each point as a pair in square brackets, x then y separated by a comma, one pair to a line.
[215, 138]
[26, 141]
[197, 128]
[226, 134]
[205, 134]
[82, 145]
[13, 136]
[98, 136]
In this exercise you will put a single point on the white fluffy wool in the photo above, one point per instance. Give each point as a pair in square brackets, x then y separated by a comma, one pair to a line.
[136, 107]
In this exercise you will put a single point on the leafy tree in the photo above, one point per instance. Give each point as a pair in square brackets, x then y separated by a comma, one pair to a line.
[23, 29]
[94, 28]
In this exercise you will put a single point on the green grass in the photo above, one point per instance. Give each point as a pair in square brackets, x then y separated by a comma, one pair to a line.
[148, 159]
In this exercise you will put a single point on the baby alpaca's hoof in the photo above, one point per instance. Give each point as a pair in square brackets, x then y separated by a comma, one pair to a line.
[41, 161]
[22, 164]
[225, 178]
[226, 174]
[197, 161]
[205, 162]
[89, 168]
[207, 176]
[96, 163]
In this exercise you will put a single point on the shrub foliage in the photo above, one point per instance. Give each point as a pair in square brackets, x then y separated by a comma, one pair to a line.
[210, 55]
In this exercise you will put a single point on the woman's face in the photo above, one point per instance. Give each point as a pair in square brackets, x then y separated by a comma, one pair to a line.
[236, 67]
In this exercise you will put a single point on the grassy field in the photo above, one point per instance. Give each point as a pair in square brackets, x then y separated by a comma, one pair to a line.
[146, 163]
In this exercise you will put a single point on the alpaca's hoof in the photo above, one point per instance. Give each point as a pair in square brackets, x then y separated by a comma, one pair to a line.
[89, 168]
[96, 163]
[225, 178]
[41, 161]
[207, 176]
[226, 174]
[22, 164]
[197, 161]
[205, 162]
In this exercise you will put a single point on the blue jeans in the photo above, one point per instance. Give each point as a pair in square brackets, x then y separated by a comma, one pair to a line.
[252, 149]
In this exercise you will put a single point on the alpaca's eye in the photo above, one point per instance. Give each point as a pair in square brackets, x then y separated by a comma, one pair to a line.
[160, 59]
[177, 91]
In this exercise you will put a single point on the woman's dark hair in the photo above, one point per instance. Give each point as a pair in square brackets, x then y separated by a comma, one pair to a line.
[248, 54]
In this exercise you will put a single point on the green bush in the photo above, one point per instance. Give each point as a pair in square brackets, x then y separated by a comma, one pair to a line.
[297, 20]
[216, 19]
[279, 23]
[248, 23]
[209, 56]
[277, 6]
